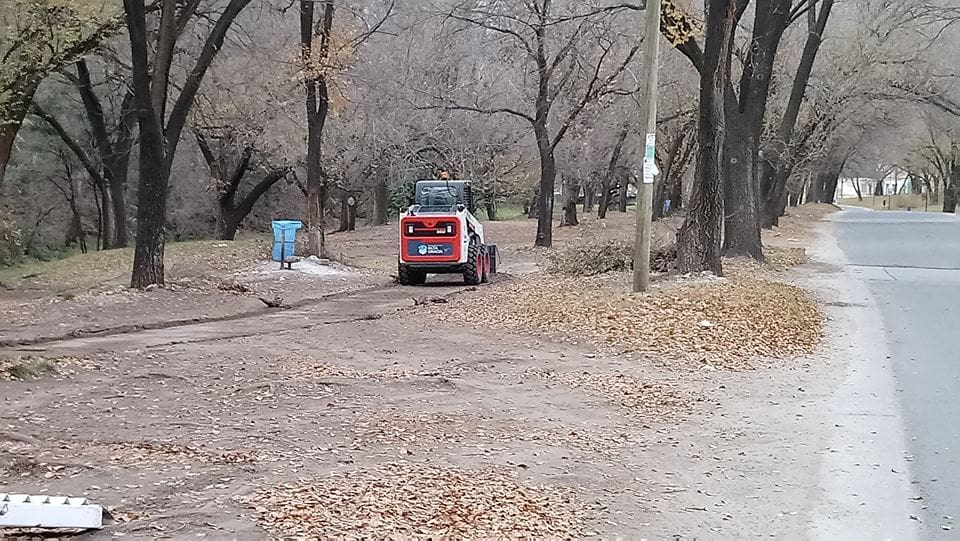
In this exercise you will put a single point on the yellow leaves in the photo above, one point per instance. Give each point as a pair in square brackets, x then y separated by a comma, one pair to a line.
[676, 25]
[39, 36]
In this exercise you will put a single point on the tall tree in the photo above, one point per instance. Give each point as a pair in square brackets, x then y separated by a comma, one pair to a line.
[160, 133]
[745, 104]
[108, 167]
[698, 241]
[315, 61]
[584, 43]
[776, 173]
[114, 155]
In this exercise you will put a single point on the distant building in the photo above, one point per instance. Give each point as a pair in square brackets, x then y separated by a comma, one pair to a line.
[895, 182]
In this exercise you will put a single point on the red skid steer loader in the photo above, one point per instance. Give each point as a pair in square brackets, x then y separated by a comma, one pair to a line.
[440, 235]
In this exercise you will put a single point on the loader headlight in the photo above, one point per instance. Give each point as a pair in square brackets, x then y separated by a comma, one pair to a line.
[449, 229]
[410, 230]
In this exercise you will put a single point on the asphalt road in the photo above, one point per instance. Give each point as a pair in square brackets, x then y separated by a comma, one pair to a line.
[910, 262]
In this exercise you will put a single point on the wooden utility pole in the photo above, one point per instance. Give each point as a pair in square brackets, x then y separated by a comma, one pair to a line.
[651, 64]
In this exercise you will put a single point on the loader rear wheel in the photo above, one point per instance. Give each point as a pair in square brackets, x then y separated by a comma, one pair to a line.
[411, 277]
[473, 268]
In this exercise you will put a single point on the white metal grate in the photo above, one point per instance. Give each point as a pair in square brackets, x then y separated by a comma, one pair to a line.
[26, 511]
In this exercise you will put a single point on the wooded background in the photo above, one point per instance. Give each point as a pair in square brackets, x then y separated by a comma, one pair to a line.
[145, 122]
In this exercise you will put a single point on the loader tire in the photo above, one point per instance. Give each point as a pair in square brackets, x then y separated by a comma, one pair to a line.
[411, 277]
[473, 268]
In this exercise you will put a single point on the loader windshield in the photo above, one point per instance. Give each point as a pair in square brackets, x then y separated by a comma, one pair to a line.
[438, 195]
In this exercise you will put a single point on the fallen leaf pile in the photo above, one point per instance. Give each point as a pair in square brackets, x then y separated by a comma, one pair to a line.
[169, 453]
[778, 259]
[414, 501]
[723, 323]
[636, 395]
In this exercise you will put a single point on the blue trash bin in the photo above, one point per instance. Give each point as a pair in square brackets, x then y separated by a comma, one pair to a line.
[285, 238]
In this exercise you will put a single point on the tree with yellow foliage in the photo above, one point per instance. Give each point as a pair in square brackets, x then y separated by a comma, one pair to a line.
[38, 37]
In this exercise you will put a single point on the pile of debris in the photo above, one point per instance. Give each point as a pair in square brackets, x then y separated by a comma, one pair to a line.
[613, 255]
[722, 323]
[417, 501]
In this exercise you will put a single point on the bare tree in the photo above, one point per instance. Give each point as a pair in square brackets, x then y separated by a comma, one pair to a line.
[160, 133]
[698, 241]
[108, 165]
[562, 43]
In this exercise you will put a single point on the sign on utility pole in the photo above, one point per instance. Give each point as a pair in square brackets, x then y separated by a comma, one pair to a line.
[651, 64]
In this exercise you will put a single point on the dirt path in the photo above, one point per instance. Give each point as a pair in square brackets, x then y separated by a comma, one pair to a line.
[186, 430]
[170, 426]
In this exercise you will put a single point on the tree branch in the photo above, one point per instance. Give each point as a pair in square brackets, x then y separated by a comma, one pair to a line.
[594, 90]
[71, 143]
[178, 116]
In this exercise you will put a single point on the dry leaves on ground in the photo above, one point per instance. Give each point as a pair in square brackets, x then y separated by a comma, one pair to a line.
[301, 367]
[724, 323]
[638, 396]
[170, 453]
[414, 501]
[399, 429]
[778, 259]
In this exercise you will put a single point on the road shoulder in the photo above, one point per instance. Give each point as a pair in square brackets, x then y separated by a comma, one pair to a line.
[864, 477]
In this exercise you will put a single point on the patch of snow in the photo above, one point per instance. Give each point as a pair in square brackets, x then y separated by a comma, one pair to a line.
[312, 266]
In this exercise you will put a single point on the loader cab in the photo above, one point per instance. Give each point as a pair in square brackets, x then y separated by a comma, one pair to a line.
[442, 195]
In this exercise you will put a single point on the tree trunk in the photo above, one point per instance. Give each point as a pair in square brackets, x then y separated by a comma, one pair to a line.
[570, 194]
[774, 177]
[318, 105]
[662, 186]
[589, 196]
[348, 213]
[16, 110]
[624, 185]
[491, 207]
[531, 206]
[548, 176]
[106, 216]
[815, 188]
[675, 194]
[774, 202]
[741, 223]
[228, 221]
[604, 202]
[830, 185]
[8, 134]
[381, 202]
[950, 199]
[607, 183]
[698, 241]
[151, 211]
[951, 187]
[118, 198]
[152, 189]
